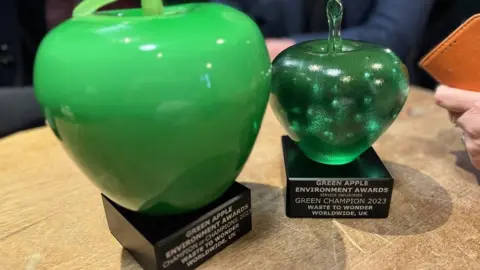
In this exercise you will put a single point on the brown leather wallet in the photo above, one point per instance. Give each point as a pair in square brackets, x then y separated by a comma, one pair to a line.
[456, 61]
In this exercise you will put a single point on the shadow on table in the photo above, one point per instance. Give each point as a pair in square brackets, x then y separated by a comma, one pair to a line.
[463, 161]
[419, 204]
[128, 262]
[278, 242]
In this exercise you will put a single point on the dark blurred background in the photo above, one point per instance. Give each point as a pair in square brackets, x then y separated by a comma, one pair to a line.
[410, 27]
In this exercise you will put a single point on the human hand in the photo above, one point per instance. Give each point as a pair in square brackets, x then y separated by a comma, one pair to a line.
[276, 46]
[464, 109]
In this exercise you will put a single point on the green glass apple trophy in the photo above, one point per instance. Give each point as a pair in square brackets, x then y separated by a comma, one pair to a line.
[159, 106]
[336, 98]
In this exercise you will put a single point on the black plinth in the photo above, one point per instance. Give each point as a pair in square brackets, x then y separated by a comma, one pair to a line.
[182, 241]
[361, 189]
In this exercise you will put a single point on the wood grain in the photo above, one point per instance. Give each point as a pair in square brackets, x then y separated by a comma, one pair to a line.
[51, 216]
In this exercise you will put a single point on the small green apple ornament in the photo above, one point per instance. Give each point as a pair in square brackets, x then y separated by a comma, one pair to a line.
[336, 98]
[160, 107]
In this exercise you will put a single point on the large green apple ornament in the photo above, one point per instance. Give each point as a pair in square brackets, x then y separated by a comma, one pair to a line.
[335, 98]
[160, 107]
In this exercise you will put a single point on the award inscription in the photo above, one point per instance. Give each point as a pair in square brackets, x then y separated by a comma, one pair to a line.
[182, 241]
[339, 198]
[360, 189]
[205, 239]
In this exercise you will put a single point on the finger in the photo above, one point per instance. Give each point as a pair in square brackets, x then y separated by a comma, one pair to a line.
[473, 150]
[469, 122]
[456, 100]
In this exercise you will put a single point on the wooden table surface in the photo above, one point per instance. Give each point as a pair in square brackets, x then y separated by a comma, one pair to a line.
[51, 216]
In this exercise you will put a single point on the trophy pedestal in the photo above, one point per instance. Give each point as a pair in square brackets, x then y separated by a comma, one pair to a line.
[182, 241]
[360, 189]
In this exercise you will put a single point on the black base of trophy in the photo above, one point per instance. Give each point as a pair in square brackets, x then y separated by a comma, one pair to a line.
[182, 241]
[360, 189]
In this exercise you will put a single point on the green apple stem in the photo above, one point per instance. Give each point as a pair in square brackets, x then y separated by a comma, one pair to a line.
[335, 17]
[88, 7]
[152, 7]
